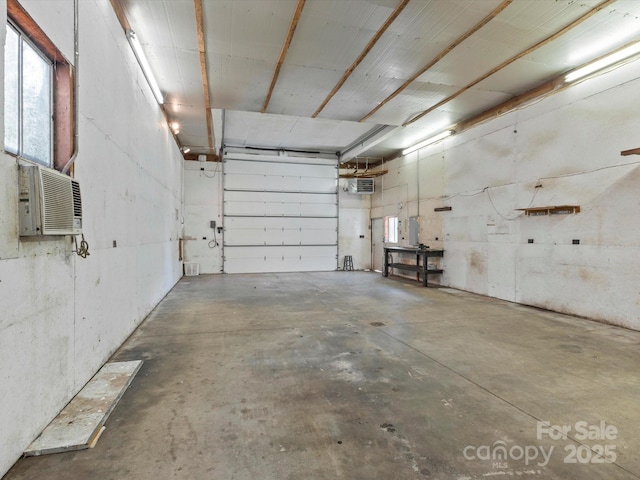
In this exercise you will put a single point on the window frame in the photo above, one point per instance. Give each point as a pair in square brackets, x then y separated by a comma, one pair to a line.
[23, 38]
[63, 87]
[391, 226]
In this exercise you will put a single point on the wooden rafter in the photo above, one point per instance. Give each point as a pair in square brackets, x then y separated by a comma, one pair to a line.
[440, 56]
[401, 6]
[535, 93]
[504, 64]
[203, 70]
[120, 15]
[283, 53]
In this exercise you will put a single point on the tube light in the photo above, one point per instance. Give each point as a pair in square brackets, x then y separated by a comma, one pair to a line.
[428, 141]
[603, 62]
[144, 64]
[186, 150]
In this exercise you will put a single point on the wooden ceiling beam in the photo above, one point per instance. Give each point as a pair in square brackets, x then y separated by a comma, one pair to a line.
[203, 71]
[535, 93]
[401, 6]
[283, 53]
[120, 15]
[504, 64]
[440, 56]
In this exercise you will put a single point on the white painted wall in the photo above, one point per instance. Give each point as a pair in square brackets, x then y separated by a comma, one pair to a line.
[569, 144]
[62, 316]
[203, 203]
[354, 227]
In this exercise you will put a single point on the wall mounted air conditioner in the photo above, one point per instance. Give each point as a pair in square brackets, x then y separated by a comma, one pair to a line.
[361, 186]
[49, 202]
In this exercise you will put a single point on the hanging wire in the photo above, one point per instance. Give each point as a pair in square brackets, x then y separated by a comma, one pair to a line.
[214, 243]
[81, 250]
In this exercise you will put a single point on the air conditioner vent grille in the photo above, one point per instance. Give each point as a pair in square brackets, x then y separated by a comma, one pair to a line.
[58, 202]
[362, 186]
[50, 202]
[77, 200]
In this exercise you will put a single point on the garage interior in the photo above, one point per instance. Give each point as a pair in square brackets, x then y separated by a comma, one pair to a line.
[249, 168]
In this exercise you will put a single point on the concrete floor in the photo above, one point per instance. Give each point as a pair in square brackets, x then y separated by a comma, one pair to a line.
[351, 375]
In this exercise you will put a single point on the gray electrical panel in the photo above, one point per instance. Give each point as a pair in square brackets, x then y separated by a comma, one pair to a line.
[414, 230]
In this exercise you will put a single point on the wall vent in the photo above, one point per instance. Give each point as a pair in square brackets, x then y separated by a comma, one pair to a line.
[362, 186]
[50, 202]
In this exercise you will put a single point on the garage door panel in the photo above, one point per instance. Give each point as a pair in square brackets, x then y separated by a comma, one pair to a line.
[302, 209]
[279, 259]
[317, 236]
[261, 252]
[245, 209]
[323, 185]
[259, 183]
[273, 265]
[291, 169]
[262, 236]
[280, 216]
[258, 209]
[270, 183]
[238, 223]
[276, 197]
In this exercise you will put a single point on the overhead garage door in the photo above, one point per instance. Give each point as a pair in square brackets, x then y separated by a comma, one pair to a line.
[280, 214]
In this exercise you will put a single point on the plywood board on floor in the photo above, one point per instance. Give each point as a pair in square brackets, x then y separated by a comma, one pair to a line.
[80, 423]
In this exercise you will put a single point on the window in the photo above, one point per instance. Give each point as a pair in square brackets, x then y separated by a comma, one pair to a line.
[39, 94]
[28, 99]
[391, 229]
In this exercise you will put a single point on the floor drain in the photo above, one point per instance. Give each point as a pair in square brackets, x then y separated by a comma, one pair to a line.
[377, 324]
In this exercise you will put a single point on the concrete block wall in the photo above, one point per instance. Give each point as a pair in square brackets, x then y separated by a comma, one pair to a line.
[62, 316]
[562, 150]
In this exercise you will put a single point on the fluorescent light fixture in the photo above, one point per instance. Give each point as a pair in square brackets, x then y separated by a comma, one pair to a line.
[186, 150]
[428, 141]
[603, 62]
[144, 64]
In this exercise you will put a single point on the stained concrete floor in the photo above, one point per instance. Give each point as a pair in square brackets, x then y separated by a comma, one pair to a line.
[351, 375]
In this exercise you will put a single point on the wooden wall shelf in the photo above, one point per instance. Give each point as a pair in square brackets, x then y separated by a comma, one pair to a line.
[552, 210]
[633, 151]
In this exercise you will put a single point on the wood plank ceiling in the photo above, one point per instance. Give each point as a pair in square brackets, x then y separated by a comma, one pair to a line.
[363, 77]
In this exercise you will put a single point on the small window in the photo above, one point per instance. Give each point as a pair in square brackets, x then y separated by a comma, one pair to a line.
[391, 229]
[39, 94]
[28, 99]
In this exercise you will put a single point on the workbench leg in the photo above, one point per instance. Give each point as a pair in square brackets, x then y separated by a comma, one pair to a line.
[385, 270]
[424, 270]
